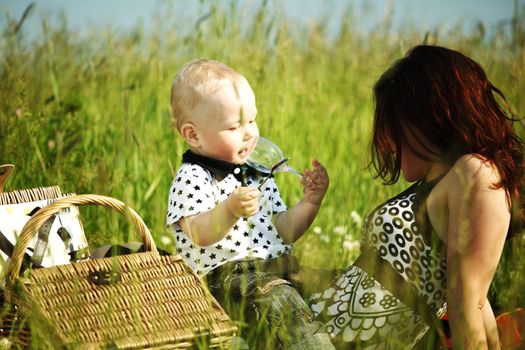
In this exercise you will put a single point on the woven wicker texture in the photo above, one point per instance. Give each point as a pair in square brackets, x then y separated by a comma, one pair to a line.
[30, 195]
[146, 301]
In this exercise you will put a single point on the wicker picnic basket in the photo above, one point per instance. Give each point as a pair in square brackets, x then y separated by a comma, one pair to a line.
[141, 300]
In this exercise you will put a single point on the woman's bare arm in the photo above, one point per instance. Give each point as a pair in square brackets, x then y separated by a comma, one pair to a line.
[478, 220]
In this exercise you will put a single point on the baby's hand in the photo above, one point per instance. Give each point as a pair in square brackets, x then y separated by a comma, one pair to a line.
[315, 183]
[243, 201]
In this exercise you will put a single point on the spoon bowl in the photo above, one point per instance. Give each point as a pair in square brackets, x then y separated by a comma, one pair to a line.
[268, 158]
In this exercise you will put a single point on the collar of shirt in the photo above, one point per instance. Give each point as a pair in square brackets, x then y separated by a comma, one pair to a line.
[219, 168]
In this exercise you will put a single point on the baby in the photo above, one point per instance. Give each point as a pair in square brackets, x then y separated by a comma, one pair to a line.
[226, 229]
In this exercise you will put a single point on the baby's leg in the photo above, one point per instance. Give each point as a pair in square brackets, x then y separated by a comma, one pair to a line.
[290, 318]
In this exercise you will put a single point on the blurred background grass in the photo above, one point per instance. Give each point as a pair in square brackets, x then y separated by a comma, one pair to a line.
[90, 112]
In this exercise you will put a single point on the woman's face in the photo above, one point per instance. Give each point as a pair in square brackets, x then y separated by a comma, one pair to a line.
[413, 166]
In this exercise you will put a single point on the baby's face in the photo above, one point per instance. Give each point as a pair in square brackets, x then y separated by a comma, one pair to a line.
[226, 124]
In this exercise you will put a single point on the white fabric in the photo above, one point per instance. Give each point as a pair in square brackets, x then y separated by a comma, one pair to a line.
[194, 190]
[13, 217]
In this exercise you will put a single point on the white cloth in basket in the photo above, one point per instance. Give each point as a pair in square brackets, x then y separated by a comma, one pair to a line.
[66, 234]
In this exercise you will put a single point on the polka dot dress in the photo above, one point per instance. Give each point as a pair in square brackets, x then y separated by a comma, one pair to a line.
[195, 190]
[358, 309]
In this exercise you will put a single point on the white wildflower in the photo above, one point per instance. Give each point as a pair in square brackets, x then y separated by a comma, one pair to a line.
[358, 220]
[352, 245]
[340, 230]
[165, 240]
[325, 238]
[317, 230]
[5, 343]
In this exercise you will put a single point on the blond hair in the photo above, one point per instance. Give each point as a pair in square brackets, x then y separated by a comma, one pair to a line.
[194, 82]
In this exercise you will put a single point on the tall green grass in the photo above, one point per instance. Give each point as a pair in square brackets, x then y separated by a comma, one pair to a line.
[90, 111]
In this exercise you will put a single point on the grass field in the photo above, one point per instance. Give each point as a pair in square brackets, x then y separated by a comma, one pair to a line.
[90, 113]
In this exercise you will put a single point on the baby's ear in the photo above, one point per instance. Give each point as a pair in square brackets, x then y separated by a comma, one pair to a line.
[189, 133]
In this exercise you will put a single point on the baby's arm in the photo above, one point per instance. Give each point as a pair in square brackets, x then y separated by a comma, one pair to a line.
[293, 223]
[213, 225]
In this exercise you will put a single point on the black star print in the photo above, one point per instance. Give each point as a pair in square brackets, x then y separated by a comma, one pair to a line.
[229, 237]
[269, 227]
[196, 187]
[278, 203]
[188, 255]
[223, 191]
[232, 250]
[275, 190]
[179, 192]
[190, 195]
[202, 250]
[237, 243]
[181, 206]
[188, 182]
[235, 227]
[255, 241]
[219, 247]
[179, 250]
[252, 226]
[213, 256]
[246, 234]
[197, 261]
[192, 208]
[270, 256]
[265, 246]
[261, 220]
[260, 234]
[199, 201]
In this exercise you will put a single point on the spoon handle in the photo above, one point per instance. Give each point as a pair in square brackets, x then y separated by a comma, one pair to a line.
[263, 181]
[293, 171]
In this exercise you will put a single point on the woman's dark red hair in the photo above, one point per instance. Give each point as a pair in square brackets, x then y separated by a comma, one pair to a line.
[447, 98]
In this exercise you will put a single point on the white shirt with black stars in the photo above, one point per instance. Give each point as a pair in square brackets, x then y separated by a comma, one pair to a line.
[195, 190]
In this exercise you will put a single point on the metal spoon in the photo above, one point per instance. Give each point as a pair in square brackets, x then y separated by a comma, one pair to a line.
[272, 170]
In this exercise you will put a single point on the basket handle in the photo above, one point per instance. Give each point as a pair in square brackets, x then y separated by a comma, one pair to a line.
[31, 227]
[5, 171]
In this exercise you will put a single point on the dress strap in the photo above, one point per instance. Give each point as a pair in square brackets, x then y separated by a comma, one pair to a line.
[421, 214]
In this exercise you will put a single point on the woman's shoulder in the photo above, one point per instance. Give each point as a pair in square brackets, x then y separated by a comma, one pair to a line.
[473, 171]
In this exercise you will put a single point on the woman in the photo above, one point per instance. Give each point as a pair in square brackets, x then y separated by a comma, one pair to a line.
[435, 247]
